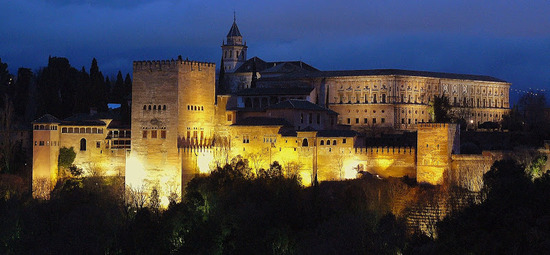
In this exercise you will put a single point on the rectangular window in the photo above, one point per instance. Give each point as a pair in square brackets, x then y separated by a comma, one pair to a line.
[163, 134]
[349, 121]
[246, 139]
[144, 133]
[373, 120]
[383, 120]
[402, 121]
[356, 120]
[153, 134]
[409, 121]
[318, 118]
[229, 117]
[98, 144]
[365, 120]
[41, 143]
[344, 140]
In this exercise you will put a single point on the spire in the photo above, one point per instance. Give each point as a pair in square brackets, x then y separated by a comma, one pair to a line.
[234, 31]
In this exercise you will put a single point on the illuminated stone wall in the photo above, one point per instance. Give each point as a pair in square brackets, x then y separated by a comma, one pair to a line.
[97, 157]
[154, 160]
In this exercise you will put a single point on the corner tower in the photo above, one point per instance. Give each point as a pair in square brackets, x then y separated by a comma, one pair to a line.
[233, 49]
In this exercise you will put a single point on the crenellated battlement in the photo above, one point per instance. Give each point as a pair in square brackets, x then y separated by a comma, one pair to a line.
[385, 150]
[172, 64]
[433, 125]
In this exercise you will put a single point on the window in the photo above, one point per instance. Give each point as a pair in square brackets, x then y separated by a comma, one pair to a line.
[334, 142]
[373, 120]
[322, 142]
[344, 140]
[144, 134]
[349, 121]
[229, 117]
[383, 98]
[318, 118]
[64, 130]
[356, 120]
[246, 139]
[374, 98]
[402, 121]
[163, 134]
[328, 142]
[383, 120]
[82, 144]
[41, 143]
[365, 120]
[153, 134]
[305, 143]
[98, 144]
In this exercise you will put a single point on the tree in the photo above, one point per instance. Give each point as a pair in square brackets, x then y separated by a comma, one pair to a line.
[66, 159]
[99, 90]
[440, 109]
[7, 142]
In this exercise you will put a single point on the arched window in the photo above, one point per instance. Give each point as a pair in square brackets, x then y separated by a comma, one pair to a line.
[322, 142]
[304, 142]
[149, 107]
[158, 108]
[144, 107]
[164, 107]
[383, 98]
[328, 142]
[82, 144]
[154, 107]
[334, 142]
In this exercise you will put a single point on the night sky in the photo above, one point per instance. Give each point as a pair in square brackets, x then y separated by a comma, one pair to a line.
[509, 40]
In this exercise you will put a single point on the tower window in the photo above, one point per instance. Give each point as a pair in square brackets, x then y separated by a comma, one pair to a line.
[153, 134]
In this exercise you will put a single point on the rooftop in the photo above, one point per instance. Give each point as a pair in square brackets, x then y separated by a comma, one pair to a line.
[375, 72]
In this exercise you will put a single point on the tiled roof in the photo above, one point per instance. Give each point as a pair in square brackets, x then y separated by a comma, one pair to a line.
[47, 118]
[373, 72]
[275, 91]
[300, 105]
[275, 67]
[262, 121]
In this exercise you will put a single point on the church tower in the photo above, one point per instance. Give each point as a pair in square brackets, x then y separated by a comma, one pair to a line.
[233, 50]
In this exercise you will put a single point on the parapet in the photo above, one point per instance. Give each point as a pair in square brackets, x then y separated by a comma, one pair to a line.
[385, 150]
[158, 65]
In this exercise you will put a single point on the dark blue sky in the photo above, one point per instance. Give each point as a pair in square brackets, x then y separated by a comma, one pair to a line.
[509, 40]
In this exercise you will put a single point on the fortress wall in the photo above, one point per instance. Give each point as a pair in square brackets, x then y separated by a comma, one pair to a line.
[467, 170]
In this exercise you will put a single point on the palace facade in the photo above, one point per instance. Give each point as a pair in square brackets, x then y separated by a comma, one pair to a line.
[184, 122]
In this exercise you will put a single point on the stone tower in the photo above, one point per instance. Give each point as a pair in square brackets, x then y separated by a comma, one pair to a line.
[172, 116]
[436, 142]
[45, 155]
[233, 50]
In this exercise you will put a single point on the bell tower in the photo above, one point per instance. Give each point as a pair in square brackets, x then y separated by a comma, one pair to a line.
[233, 49]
